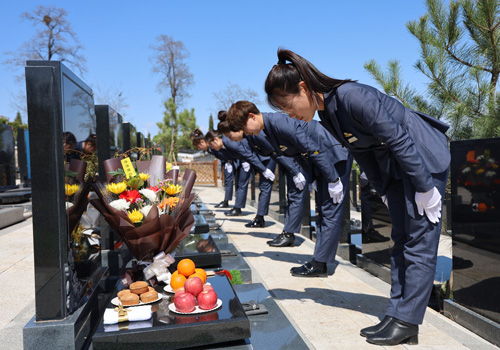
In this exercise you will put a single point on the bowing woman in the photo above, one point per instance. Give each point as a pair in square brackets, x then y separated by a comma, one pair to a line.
[405, 156]
[312, 144]
[227, 164]
[295, 190]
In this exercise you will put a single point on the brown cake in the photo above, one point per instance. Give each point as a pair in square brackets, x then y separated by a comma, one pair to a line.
[139, 287]
[122, 293]
[149, 296]
[129, 299]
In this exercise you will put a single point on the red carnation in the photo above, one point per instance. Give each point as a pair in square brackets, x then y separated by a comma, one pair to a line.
[131, 196]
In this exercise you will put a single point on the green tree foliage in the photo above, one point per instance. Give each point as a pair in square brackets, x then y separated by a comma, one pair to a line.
[174, 130]
[210, 122]
[16, 124]
[460, 56]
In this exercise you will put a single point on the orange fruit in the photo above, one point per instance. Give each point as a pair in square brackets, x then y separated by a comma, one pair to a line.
[177, 281]
[203, 273]
[186, 267]
[200, 276]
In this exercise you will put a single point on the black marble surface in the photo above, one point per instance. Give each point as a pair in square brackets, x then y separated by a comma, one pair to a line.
[200, 224]
[200, 248]
[475, 187]
[168, 330]
[7, 156]
[108, 143]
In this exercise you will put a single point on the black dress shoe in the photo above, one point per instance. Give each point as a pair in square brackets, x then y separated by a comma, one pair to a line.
[275, 239]
[373, 236]
[366, 332]
[396, 332]
[233, 212]
[258, 221]
[308, 270]
[284, 239]
[223, 204]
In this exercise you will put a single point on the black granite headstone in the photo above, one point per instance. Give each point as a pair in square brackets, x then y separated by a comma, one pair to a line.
[475, 188]
[108, 142]
[7, 157]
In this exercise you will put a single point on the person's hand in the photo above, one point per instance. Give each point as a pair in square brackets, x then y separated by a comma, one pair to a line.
[268, 174]
[430, 203]
[336, 190]
[228, 167]
[300, 181]
[315, 186]
[384, 199]
[245, 166]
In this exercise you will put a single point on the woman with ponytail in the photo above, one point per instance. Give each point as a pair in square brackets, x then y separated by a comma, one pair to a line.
[405, 156]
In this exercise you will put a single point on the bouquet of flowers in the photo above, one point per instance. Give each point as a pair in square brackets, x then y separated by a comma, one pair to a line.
[146, 205]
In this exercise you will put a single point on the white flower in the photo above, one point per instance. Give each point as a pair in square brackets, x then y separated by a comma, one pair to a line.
[466, 170]
[490, 173]
[145, 210]
[491, 160]
[480, 157]
[120, 204]
[149, 194]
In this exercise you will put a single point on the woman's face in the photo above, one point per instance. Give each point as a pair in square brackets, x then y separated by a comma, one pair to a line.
[300, 106]
[253, 126]
[202, 146]
[235, 135]
[216, 144]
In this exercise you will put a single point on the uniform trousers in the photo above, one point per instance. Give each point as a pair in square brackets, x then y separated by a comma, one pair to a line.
[414, 254]
[242, 179]
[228, 182]
[329, 216]
[266, 187]
[295, 204]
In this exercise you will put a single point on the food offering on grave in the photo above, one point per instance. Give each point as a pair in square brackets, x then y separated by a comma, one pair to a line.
[149, 296]
[207, 299]
[185, 302]
[139, 291]
[139, 287]
[129, 299]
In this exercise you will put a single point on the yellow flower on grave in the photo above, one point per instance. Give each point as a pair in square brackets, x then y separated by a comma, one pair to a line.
[116, 188]
[144, 176]
[170, 202]
[135, 216]
[172, 190]
[169, 166]
[479, 171]
[70, 189]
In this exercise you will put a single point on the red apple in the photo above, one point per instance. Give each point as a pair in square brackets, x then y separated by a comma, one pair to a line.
[207, 299]
[193, 285]
[179, 291]
[207, 287]
[184, 302]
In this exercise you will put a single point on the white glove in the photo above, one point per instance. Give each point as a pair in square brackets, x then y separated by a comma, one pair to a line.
[245, 166]
[384, 199]
[228, 167]
[430, 202]
[315, 186]
[268, 174]
[336, 190]
[300, 181]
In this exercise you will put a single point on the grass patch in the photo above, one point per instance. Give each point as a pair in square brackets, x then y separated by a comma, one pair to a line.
[236, 275]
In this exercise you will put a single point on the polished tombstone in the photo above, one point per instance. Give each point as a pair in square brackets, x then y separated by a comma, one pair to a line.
[475, 189]
[7, 158]
[169, 330]
[67, 277]
[23, 158]
[126, 129]
[108, 142]
[201, 248]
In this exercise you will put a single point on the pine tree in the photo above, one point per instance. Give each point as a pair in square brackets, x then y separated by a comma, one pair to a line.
[210, 122]
[460, 56]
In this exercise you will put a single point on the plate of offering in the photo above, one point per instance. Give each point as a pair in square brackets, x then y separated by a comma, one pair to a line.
[133, 299]
[197, 309]
[168, 288]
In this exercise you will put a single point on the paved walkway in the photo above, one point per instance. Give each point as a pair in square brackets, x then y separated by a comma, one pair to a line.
[328, 312]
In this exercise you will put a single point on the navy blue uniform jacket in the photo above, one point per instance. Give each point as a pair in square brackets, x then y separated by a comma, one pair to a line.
[386, 138]
[295, 138]
[261, 144]
[241, 150]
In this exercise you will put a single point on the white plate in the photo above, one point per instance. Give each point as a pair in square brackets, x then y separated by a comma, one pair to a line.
[197, 310]
[168, 288]
[116, 301]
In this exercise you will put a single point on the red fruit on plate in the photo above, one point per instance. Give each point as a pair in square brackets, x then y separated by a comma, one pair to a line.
[193, 285]
[207, 299]
[207, 287]
[184, 302]
[179, 291]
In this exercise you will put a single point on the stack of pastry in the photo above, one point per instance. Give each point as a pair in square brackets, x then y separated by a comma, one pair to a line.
[139, 291]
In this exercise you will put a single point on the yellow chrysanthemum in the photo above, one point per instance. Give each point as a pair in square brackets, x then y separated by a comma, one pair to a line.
[170, 202]
[169, 167]
[172, 190]
[479, 171]
[144, 176]
[494, 166]
[116, 188]
[135, 216]
[70, 189]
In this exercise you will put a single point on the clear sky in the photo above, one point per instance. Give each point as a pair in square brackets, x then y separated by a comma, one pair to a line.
[228, 41]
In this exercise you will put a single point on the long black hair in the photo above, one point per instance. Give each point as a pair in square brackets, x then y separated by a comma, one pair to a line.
[284, 78]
